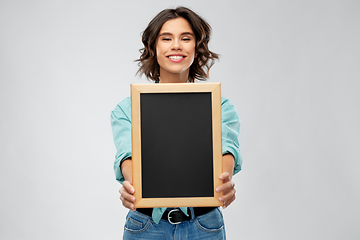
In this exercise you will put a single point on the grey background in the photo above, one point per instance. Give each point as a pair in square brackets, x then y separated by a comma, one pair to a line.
[290, 67]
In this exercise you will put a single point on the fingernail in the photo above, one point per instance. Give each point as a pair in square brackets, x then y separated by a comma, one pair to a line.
[133, 199]
[221, 199]
[217, 190]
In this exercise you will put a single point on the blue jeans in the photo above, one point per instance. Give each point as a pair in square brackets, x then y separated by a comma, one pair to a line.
[209, 226]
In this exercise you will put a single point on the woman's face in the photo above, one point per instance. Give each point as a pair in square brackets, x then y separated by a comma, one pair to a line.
[175, 47]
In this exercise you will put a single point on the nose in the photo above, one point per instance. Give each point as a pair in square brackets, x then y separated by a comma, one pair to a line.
[176, 45]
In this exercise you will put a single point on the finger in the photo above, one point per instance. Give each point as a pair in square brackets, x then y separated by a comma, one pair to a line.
[225, 176]
[229, 201]
[227, 196]
[125, 195]
[225, 186]
[228, 188]
[129, 188]
[127, 199]
[128, 205]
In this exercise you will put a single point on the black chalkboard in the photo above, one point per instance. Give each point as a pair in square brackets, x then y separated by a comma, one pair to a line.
[176, 144]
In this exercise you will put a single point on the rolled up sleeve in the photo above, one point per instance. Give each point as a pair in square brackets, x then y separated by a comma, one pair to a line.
[121, 129]
[230, 132]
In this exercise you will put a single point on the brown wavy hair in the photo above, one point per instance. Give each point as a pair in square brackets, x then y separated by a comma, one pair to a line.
[204, 59]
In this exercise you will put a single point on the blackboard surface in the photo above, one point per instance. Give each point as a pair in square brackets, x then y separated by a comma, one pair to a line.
[176, 145]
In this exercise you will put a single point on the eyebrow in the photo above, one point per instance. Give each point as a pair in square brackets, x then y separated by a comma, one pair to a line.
[170, 34]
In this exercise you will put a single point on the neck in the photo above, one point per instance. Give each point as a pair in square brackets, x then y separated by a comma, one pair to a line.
[167, 77]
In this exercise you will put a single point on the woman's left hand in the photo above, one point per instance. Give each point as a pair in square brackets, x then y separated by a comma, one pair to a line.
[228, 189]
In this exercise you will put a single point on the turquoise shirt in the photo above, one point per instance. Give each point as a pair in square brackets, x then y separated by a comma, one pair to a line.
[121, 128]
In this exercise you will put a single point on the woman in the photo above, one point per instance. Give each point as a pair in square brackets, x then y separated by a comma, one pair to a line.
[175, 51]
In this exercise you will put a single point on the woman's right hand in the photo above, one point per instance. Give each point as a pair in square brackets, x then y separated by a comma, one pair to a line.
[127, 195]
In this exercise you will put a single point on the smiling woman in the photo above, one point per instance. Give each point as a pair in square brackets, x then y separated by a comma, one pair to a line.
[192, 30]
[176, 51]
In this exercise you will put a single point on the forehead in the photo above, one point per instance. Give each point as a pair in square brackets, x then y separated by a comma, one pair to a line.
[176, 26]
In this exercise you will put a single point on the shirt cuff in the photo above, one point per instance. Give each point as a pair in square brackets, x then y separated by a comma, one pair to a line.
[118, 174]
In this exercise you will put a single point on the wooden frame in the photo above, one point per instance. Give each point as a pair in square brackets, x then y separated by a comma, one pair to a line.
[138, 91]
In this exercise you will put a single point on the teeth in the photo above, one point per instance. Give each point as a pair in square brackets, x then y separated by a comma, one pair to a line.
[176, 57]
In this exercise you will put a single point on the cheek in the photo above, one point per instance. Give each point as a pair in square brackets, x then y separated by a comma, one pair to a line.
[192, 50]
[159, 51]
[157, 54]
[194, 54]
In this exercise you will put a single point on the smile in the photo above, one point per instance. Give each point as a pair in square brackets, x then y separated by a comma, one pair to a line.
[176, 58]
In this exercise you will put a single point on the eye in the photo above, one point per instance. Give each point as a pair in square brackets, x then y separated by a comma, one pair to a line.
[166, 39]
[186, 39]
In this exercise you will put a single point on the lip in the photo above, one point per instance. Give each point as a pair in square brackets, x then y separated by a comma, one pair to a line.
[176, 60]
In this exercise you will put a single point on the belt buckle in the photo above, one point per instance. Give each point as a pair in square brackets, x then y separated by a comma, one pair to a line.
[169, 217]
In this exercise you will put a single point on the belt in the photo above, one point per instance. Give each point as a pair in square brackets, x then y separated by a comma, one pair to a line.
[176, 216]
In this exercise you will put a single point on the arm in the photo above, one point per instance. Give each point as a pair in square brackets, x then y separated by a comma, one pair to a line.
[228, 186]
[121, 128]
[127, 190]
[232, 157]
